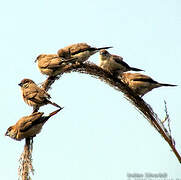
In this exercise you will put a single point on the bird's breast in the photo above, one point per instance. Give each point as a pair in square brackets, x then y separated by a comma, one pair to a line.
[30, 133]
[82, 56]
[46, 71]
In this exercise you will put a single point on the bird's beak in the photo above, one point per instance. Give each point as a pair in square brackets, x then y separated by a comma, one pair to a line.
[20, 84]
[35, 60]
[7, 133]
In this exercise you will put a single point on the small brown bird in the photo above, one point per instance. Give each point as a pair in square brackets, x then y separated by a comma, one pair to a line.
[34, 95]
[28, 126]
[52, 64]
[141, 84]
[81, 51]
[114, 63]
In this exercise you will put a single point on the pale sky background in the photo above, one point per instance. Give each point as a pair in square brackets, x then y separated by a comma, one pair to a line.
[98, 135]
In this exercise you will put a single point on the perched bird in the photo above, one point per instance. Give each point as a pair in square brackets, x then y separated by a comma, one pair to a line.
[52, 64]
[28, 126]
[140, 83]
[114, 63]
[81, 51]
[34, 95]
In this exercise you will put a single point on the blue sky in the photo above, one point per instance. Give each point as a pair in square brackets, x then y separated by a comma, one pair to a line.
[99, 135]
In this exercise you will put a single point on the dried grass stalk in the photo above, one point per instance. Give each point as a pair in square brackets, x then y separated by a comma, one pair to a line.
[144, 108]
[25, 166]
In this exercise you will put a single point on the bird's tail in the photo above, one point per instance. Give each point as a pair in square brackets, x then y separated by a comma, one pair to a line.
[163, 84]
[108, 47]
[54, 104]
[136, 69]
[54, 112]
[45, 118]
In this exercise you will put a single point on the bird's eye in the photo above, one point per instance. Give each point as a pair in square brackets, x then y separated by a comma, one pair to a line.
[103, 52]
[26, 85]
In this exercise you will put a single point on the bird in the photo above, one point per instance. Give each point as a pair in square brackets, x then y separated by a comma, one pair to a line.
[34, 95]
[113, 63]
[52, 64]
[28, 126]
[140, 83]
[81, 51]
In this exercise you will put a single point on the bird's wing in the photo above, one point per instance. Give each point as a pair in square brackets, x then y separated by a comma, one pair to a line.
[146, 80]
[28, 121]
[73, 49]
[50, 62]
[79, 47]
[143, 78]
[54, 63]
[43, 93]
[36, 94]
[30, 94]
[120, 61]
[64, 52]
[41, 96]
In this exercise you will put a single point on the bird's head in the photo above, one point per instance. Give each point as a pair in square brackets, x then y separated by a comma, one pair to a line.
[11, 132]
[39, 57]
[104, 54]
[25, 83]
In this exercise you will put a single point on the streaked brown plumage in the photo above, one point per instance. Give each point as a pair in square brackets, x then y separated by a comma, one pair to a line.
[28, 126]
[52, 64]
[114, 63]
[34, 95]
[140, 83]
[81, 51]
